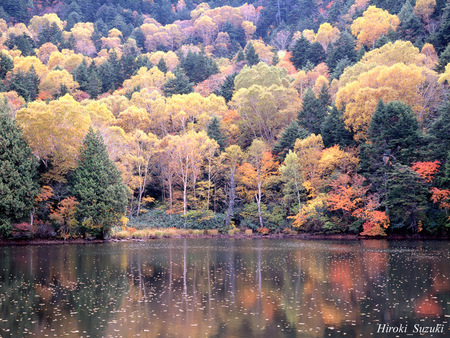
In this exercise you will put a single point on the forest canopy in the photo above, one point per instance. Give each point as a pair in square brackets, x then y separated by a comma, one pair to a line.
[318, 116]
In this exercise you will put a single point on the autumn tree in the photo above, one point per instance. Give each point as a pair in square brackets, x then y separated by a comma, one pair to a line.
[97, 185]
[18, 182]
[292, 177]
[374, 23]
[142, 153]
[264, 100]
[55, 132]
[255, 172]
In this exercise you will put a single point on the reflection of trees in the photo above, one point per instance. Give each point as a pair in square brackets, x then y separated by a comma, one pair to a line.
[219, 287]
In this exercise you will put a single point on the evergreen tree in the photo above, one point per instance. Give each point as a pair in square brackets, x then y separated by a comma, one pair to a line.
[139, 37]
[340, 67]
[236, 34]
[50, 33]
[250, 55]
[439, 134]
[444, 60]
[23, 42]
[25, 84]
[299, 52]
[393, 138]
[333, 130]
[227, 88]
[395, 131]
[97, 185]
[240, 56]
[214, 132]
[406, 198]
[287, 139]
[392, 6]
[441, 38]
[94, 85]
[178, 85]
[81, 75]
[316, 54]
[312, 114]
[162, 65]
[343, 48]
[18, 181]
[198, 67]
[410, 25]
[6, 65]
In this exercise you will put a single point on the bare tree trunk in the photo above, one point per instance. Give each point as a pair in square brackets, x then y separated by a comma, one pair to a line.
[231, 202]
[258, 200]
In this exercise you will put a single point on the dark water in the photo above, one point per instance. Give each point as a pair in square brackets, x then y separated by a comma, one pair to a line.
[225, 288]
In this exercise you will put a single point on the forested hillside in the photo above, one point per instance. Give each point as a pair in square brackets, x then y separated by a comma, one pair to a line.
[322, 116]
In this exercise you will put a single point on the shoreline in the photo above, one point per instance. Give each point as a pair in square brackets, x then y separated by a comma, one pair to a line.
[339, 237]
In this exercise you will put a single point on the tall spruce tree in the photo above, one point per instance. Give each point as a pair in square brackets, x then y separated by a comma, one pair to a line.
[333, 130]
[214, 132]
[98, 187]
[299, 52]
[312, 114]
[250, 55]
[287, 139]
[227, 88]
[18, 179]
[180, 84]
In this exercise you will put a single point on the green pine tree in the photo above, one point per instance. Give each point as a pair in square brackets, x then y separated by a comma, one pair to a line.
[215, 133]
[98, 187]
[287, 139]
[178, 85]
[250, 55]
[299, 52]
[6, 64]
[444, 60]
[162, 66]
[227, 88]
[406, 198]
[333, 130]
[311, 115]
[240, 56]
[25, 84]
[18, 179]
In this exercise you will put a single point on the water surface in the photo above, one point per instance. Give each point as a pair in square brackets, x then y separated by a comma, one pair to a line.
[224, 288]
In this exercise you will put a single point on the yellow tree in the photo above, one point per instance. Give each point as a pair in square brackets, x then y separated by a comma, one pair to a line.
[134, 118]
[264, 111]
[58, 81]
[255, 172]
[151, 79]
[327, 34]
[187, 153]
[45, 51]
[360, 97]
[82, 32]
[38, 23]
[142, 153]
[55, 132]
[424, 8]
[374, 23]
[206, 29]
[192, 110]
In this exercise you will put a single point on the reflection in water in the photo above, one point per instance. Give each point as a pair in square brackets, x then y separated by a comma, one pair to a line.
[221, 287]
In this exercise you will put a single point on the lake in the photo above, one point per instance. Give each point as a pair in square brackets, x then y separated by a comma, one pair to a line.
[226, 288]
